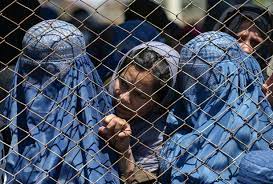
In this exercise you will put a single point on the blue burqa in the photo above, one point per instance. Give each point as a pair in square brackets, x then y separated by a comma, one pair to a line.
[222, 101]
[55, 108]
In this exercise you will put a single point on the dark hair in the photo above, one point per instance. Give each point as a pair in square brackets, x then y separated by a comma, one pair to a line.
[147, 59]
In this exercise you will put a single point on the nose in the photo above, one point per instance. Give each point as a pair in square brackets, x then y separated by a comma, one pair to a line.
[125, 97]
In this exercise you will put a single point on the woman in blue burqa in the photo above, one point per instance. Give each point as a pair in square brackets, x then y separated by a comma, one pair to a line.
[222, 101]
[54, 111]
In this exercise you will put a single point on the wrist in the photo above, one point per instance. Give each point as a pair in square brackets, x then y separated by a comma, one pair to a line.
[128, 153]
[123, 148]
[127, 165]
[125, 153]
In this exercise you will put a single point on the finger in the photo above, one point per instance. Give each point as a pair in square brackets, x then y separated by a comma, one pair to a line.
[107, 119]
[104, 132]
[126, 132]
[111, 127]
[101, 130]
[120, 123]
[115, 125]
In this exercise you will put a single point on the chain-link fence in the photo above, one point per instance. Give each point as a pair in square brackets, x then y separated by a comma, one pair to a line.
[136, 91]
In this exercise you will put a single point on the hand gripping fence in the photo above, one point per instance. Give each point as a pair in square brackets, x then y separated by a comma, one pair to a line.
[136, 91]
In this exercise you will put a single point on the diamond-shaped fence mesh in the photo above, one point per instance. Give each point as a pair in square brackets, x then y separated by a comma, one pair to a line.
[136, 91]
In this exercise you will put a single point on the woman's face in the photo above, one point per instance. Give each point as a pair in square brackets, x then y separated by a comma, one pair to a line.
[133, 91]
[249, 37]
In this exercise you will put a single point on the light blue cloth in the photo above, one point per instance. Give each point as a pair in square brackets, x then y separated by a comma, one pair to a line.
[125, 37]
[256, 167]
[223, 102]
[147, 133]
[55, 108]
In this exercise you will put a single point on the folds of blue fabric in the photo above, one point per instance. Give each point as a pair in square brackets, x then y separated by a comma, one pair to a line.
[54, 127]
[224, 104]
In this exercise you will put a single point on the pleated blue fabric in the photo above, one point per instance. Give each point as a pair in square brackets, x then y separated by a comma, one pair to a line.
[256, 167]
[55, 109]
[223, 103]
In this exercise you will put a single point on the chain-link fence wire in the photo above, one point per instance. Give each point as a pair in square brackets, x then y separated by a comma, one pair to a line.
[106, 44]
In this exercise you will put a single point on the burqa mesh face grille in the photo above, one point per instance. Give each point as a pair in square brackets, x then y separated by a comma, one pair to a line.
[136, 91]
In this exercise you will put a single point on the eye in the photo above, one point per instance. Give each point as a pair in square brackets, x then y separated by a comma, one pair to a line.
[123, 84]
[254, 42]
[241, 38]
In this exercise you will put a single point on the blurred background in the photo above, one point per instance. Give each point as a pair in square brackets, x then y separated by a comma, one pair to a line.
[181, 11]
